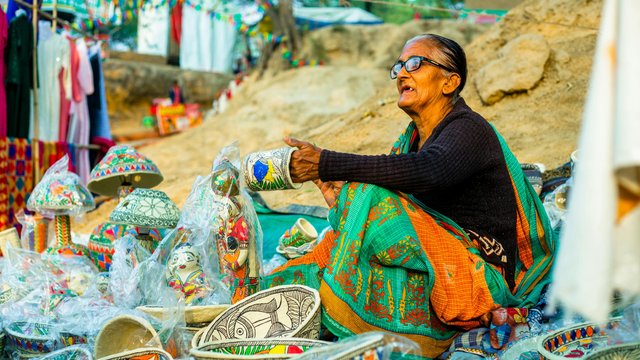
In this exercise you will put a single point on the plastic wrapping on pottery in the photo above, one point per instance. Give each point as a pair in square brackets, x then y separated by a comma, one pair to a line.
[555, 203]
[628, 329]
[37, 234]
[276, 261]
[371, 345]
[238, 239]
[60, 192]
[124, 275]
[23, 278]
[30, 337]
[66, 278]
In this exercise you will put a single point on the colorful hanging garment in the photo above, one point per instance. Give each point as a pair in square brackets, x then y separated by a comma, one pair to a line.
[393, 264]
[16, 178]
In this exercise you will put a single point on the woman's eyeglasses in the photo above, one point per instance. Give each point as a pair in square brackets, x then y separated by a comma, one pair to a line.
[412, 64]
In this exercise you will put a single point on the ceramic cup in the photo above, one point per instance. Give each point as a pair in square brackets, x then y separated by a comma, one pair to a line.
[9, 236]
[269, 170]
[302, 232]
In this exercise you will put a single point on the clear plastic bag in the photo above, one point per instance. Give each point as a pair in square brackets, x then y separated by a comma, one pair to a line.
[375, 345]
[37, 231]
[60, 192]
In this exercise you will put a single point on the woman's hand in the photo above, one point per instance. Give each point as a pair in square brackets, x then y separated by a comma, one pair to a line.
[330, 190]
[304, 162]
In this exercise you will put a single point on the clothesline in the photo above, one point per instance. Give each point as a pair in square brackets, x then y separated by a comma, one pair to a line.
[55, 18]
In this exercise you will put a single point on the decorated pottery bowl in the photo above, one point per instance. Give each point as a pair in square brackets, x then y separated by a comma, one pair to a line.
[522, 349]
[194, 316]
[70, 353]
[576, 341]
[140, 354]
[281, 311]
[31, 339]
[274, 348]
[126, 333]
[629, 351]
[364, 346]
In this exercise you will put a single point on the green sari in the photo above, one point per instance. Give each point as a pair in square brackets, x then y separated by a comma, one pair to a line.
[392, 264]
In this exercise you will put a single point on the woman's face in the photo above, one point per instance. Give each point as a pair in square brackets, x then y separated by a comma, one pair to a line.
[419, 88]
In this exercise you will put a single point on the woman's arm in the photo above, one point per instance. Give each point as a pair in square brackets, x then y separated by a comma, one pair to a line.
[460, 150]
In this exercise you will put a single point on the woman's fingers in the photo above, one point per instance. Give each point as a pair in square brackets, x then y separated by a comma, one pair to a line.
[304, 165]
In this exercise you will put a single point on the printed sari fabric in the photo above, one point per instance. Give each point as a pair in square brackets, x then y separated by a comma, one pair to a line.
[393, 264]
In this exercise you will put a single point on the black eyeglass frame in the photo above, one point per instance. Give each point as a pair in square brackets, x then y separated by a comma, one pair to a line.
[394, 75]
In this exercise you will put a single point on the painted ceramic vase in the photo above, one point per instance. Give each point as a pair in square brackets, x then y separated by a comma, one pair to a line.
[269, 170]
[30, 339]
[281, 311]
[576, 341]
[280, 348]
[104, 235]
[185, 275]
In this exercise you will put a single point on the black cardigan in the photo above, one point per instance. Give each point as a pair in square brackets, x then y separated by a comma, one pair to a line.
[460, 171]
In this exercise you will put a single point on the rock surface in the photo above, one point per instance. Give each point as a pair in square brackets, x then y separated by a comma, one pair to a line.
[519, 67]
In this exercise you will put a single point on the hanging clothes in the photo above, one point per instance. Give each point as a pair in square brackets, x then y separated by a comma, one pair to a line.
[19, 57]
[98, 100]
[176, 22]
[53, 58]
[13, 7]
[80, 122]
[16, 154]
[210, 42]
[66, 98]
[4, 33]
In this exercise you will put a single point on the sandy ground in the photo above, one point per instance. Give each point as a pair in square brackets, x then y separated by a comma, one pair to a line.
[349, 104]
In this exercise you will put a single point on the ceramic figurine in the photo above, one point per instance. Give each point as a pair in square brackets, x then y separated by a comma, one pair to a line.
[236, 243]
[185, 275]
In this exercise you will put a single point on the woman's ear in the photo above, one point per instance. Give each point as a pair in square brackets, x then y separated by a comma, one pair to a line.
[451, 84]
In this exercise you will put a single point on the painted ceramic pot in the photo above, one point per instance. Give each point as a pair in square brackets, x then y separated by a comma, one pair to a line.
[194, 316]
[70, 339]
[282, 348]
[629, 351]
[30, 339]
[185, 274]
[269, 170]
[575, 341]
[264, 314]
[140, 354]
[70, 353]
[104, 235]
[126, 333]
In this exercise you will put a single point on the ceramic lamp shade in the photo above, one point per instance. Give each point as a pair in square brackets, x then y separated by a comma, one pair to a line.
[121, 165]
[62, 194]
[146, 208]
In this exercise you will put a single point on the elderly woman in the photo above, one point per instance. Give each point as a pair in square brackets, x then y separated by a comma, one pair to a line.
[428, 240]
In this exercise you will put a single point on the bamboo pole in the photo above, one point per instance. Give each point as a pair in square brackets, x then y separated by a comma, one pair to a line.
[35, 146]
[54, 23]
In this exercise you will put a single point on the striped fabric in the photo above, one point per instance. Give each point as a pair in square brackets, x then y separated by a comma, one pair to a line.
[395, 265]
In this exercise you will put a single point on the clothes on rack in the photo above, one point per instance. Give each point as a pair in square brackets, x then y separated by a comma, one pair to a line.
[79, 124]
[17, 164]
[13, 9]
[98, 100]
[4, 36]
[19, 77]
[53, 60]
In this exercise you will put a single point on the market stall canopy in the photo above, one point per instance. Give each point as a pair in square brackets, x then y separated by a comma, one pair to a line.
[317, 17]
[123, 165]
